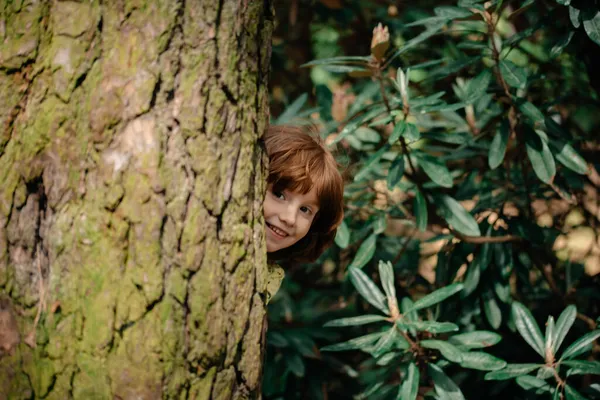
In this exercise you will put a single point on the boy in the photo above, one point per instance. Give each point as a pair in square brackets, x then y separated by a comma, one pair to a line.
[303, 205]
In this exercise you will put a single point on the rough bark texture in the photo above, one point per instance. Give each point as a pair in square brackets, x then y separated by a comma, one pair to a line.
[132, 259]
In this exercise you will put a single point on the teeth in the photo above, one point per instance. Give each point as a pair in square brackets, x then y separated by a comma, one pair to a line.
[278, 231]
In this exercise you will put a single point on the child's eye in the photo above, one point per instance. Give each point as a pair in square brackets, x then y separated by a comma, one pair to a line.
[305, 210]
[278, 194]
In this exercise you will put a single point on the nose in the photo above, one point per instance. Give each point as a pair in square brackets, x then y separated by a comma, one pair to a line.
[288, 216]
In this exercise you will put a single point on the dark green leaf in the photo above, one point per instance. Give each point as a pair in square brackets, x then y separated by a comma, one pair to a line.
[365, 252]
[511, 371]
[528, 328]
[367, 289]
[296, 365]
[581, 345]
[371, 163]
[355, 321]
[558, 48]
[513, 75]
[431, 30]
[396, 172]
[351, 126]
[582, 367]
[438, 296]
[397, 132]
[436, 170]
[410, 387]
[456, 215]
[541, 157]
[498, 146]
[563, 325]
[571, 393]
[481, 361]
[420, 211]
[444, 386]
[361, 342]
[472, 278]
[427, 326]
[411, 132]
[531, 112]
[385, 343]
[452, 12]
[492, 312]
[568, 157]
[449, 351]
[575, 16]
[380, 224]
[338, 60]
[342, 236]
[476, 339]
[592, 27]
[528, 382]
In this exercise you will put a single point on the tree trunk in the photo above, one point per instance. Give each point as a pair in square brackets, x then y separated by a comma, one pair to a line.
[132, 257]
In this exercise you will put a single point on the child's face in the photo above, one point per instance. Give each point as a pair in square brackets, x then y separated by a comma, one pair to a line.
[288, 216]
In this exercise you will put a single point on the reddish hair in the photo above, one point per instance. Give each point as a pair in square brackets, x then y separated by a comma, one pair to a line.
[299, 161]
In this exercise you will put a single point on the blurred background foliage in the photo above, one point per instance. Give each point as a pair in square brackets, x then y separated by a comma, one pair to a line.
[468, 136]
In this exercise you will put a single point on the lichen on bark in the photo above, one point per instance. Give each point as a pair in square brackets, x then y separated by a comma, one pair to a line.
[132, 258]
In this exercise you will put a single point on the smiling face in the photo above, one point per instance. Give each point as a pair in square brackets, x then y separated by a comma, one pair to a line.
[288, 216]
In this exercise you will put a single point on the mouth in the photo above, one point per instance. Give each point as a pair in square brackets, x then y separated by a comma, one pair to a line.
[276, 231]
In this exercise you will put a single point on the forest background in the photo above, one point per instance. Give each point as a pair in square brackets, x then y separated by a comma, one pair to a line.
[467, 133]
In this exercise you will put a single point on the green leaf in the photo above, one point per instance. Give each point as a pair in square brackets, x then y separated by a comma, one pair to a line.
[549, 336]
[380, 224]
[292, 110]
[411, 132]
[386, 274]
[367, 135]
[581, 345]
[355, 321]
[513, 75]
[571, 393]
[410, 387]
[511, 371]
[569, 157]
[476, 339]
[528, 382]
[438, 296]
[444, 386]
[296, 365]
[370, 163]
[452, 12]
[435, 169]
[367, 289]
[397, 132]
[431, 30]
[342, 235]
[582, 367]
[429, 326]
[528, 328]
[492, 312]
[365, 252]
[471, 279]
[361, 342]
[338, 60]
[563, 325]
[385, 343]
[420, 211]
[531, 112]
[541, 157]
[481, 361]
[498, 146]
[352, 125]
[575, 16]
[395, 172]
[456, 215]
[592, 28]
[559, 47]
[449, 351]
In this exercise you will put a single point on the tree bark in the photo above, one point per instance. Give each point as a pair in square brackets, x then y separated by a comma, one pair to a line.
[132, 256]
